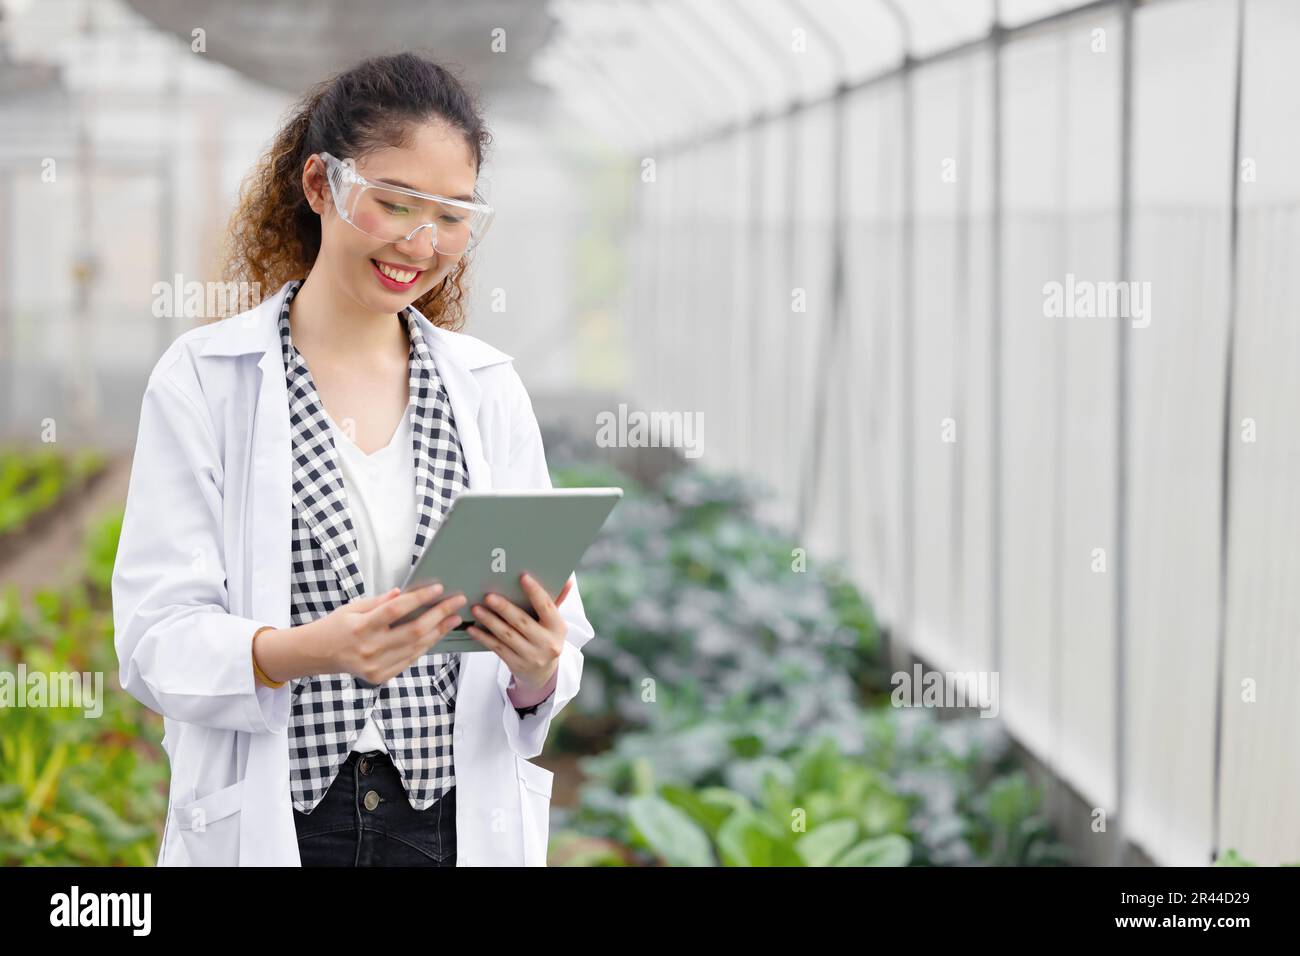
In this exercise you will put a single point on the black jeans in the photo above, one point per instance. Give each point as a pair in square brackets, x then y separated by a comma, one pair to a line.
[365, 819]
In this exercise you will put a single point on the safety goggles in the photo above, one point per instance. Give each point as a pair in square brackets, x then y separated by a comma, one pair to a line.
[394, 214]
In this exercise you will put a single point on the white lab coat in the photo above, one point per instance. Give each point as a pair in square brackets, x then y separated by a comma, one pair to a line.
[203, 562]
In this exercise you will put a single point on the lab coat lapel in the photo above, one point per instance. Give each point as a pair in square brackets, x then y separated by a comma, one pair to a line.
[434, 487]
[267, 836]
[269, 489]
[319, 495]
[465, 395]
[259, 587]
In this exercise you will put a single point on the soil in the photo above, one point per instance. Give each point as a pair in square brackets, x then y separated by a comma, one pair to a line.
[48, 552]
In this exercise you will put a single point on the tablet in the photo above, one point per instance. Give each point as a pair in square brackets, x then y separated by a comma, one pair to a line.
[489, 538]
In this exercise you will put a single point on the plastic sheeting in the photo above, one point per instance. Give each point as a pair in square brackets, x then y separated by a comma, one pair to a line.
[1184, 727]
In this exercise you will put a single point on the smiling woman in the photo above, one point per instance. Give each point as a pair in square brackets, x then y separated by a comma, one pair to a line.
[308, 449]
[398, 131]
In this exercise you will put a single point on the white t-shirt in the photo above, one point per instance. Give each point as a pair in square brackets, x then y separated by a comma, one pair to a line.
[381, 501]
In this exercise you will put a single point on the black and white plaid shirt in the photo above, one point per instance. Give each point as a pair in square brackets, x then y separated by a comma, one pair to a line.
[414, 711]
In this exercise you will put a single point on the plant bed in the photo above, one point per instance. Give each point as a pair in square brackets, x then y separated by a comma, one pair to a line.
[77, 789]
[33, 483]
[735, 708]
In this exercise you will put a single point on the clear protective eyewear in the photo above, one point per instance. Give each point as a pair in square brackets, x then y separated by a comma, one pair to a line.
[395, 214]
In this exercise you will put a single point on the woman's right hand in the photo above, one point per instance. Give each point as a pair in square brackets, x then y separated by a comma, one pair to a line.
[359, 640]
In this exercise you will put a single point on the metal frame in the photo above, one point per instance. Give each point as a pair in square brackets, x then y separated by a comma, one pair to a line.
[994, 41]
[1225, 485]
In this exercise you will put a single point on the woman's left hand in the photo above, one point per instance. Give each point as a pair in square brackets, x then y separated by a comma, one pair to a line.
[531, 648]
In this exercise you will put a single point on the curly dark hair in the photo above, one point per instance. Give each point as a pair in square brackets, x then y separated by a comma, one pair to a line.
[274, 236]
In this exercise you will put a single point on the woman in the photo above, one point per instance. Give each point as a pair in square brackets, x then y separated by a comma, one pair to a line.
[291, 465]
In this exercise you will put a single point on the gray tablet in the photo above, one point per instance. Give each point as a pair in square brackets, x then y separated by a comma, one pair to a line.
[489, 538]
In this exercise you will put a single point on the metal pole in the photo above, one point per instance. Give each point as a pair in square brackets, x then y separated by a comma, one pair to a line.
[961, 320]
[1225, 486]
[995, 353]
[831, 336]
[905, 628]
[1122, 428]
[1060, 444]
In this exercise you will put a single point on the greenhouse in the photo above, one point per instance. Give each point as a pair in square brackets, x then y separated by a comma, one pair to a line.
[944, 352]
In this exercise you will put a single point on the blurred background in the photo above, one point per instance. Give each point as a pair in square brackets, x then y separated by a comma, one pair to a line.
[832, 232]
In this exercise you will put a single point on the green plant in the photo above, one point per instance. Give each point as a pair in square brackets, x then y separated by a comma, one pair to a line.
[947, 788]
[819, 809]
[32, 480]
[101, 550]
[691, 590]
[1008, 829]
[747, 690]
[77, 788]
[1231, 857]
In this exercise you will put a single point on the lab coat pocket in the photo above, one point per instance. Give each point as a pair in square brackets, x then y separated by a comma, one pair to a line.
[535, 807]
[209, 825]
